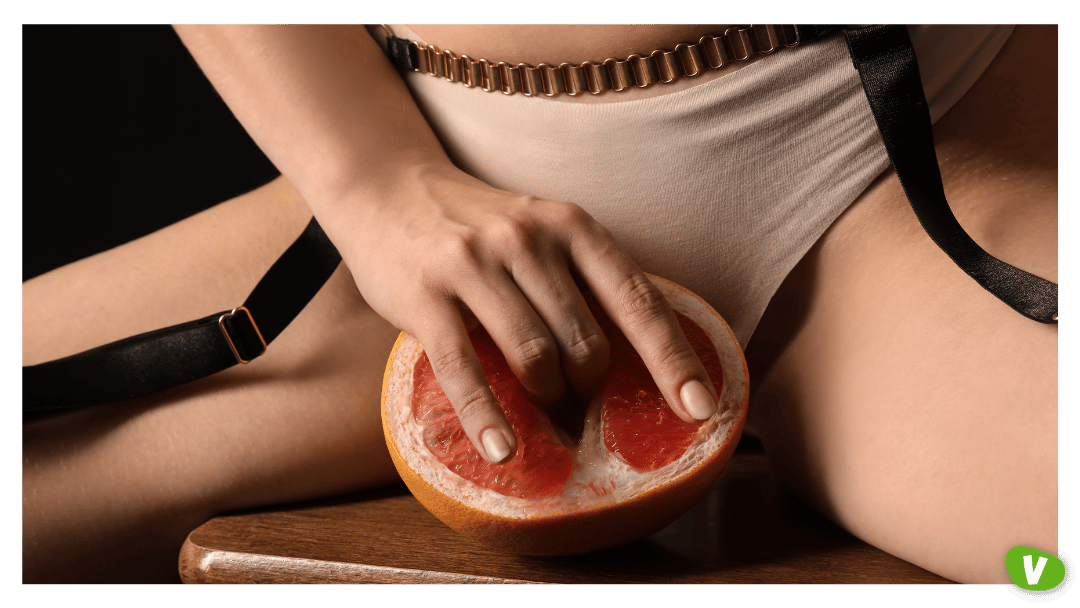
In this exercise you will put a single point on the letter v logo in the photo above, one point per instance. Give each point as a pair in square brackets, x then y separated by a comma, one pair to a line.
[1033, 575]
[1034, 570]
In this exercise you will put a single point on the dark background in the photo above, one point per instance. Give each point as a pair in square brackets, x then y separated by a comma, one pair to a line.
[122, 135]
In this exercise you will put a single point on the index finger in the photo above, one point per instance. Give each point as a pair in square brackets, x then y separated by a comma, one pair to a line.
[643, 314]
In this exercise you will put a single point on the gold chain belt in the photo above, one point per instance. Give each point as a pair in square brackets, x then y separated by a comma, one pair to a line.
[737, 43]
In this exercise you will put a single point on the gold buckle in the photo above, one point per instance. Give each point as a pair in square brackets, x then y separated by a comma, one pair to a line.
[221, 324]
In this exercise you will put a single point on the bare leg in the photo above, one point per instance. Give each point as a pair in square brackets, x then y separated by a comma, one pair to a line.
[110, 494]
[896, 394]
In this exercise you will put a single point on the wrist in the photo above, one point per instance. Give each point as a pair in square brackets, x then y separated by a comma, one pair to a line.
[377, 182]
[355, 202]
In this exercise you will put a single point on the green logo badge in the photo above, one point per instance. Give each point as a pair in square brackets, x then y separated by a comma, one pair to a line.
[1034, 570]
[1039, 577]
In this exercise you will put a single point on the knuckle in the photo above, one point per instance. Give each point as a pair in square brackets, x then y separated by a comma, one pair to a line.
[586, 348]
[535, 355]
[450, 363]
[641, 301]
[571, 213]
[572, 218]
[674, 355]
[472, 406]
[461, 247]
[513, 233]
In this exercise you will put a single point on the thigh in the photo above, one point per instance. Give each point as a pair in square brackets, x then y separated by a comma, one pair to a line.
[896, 394]
[119, 482]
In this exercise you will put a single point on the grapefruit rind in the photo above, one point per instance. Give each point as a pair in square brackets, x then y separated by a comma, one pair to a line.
[606, 502]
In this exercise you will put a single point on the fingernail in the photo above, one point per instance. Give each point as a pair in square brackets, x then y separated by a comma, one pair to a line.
[495, 445]
[697, 400]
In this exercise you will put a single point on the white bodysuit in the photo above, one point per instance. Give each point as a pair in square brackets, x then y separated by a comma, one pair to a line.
[721, 187]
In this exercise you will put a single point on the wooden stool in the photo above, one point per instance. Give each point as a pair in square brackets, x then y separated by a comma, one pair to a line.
[746, 530]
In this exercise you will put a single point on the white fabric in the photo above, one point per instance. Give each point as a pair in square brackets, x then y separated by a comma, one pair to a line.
[721, 187]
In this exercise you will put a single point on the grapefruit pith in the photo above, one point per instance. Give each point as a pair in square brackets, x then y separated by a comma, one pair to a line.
[610, 472]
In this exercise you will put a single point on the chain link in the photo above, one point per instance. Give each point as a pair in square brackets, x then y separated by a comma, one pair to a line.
[736, 44]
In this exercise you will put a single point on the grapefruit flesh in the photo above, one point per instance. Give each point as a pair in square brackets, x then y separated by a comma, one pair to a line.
[638, 424]
[542, 464]
[604, 472]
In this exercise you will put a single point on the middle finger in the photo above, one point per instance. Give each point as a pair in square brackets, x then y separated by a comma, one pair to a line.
[519, 333]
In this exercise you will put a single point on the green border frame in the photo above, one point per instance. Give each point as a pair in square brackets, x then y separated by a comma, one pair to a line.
[316, 11]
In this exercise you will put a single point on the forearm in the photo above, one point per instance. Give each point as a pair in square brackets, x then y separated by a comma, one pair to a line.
[330, 111]
[323, 103]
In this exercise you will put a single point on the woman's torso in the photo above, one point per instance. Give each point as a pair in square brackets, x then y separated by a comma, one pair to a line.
[720, 182]
[556, 43]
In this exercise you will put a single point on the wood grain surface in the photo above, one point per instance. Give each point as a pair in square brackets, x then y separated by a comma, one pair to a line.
[747, 529]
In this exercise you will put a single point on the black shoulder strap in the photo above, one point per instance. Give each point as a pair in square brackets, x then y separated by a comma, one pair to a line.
[890, 76]
[164, 358]
[168, 357]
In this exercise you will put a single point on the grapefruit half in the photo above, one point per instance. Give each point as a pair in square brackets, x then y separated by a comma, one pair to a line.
[602, 474]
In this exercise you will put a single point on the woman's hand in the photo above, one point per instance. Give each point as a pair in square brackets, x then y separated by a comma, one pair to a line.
[450, 251]
[430, 248]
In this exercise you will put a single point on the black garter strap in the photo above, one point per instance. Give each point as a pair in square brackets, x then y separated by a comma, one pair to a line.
[168, 357]
[890, 76]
